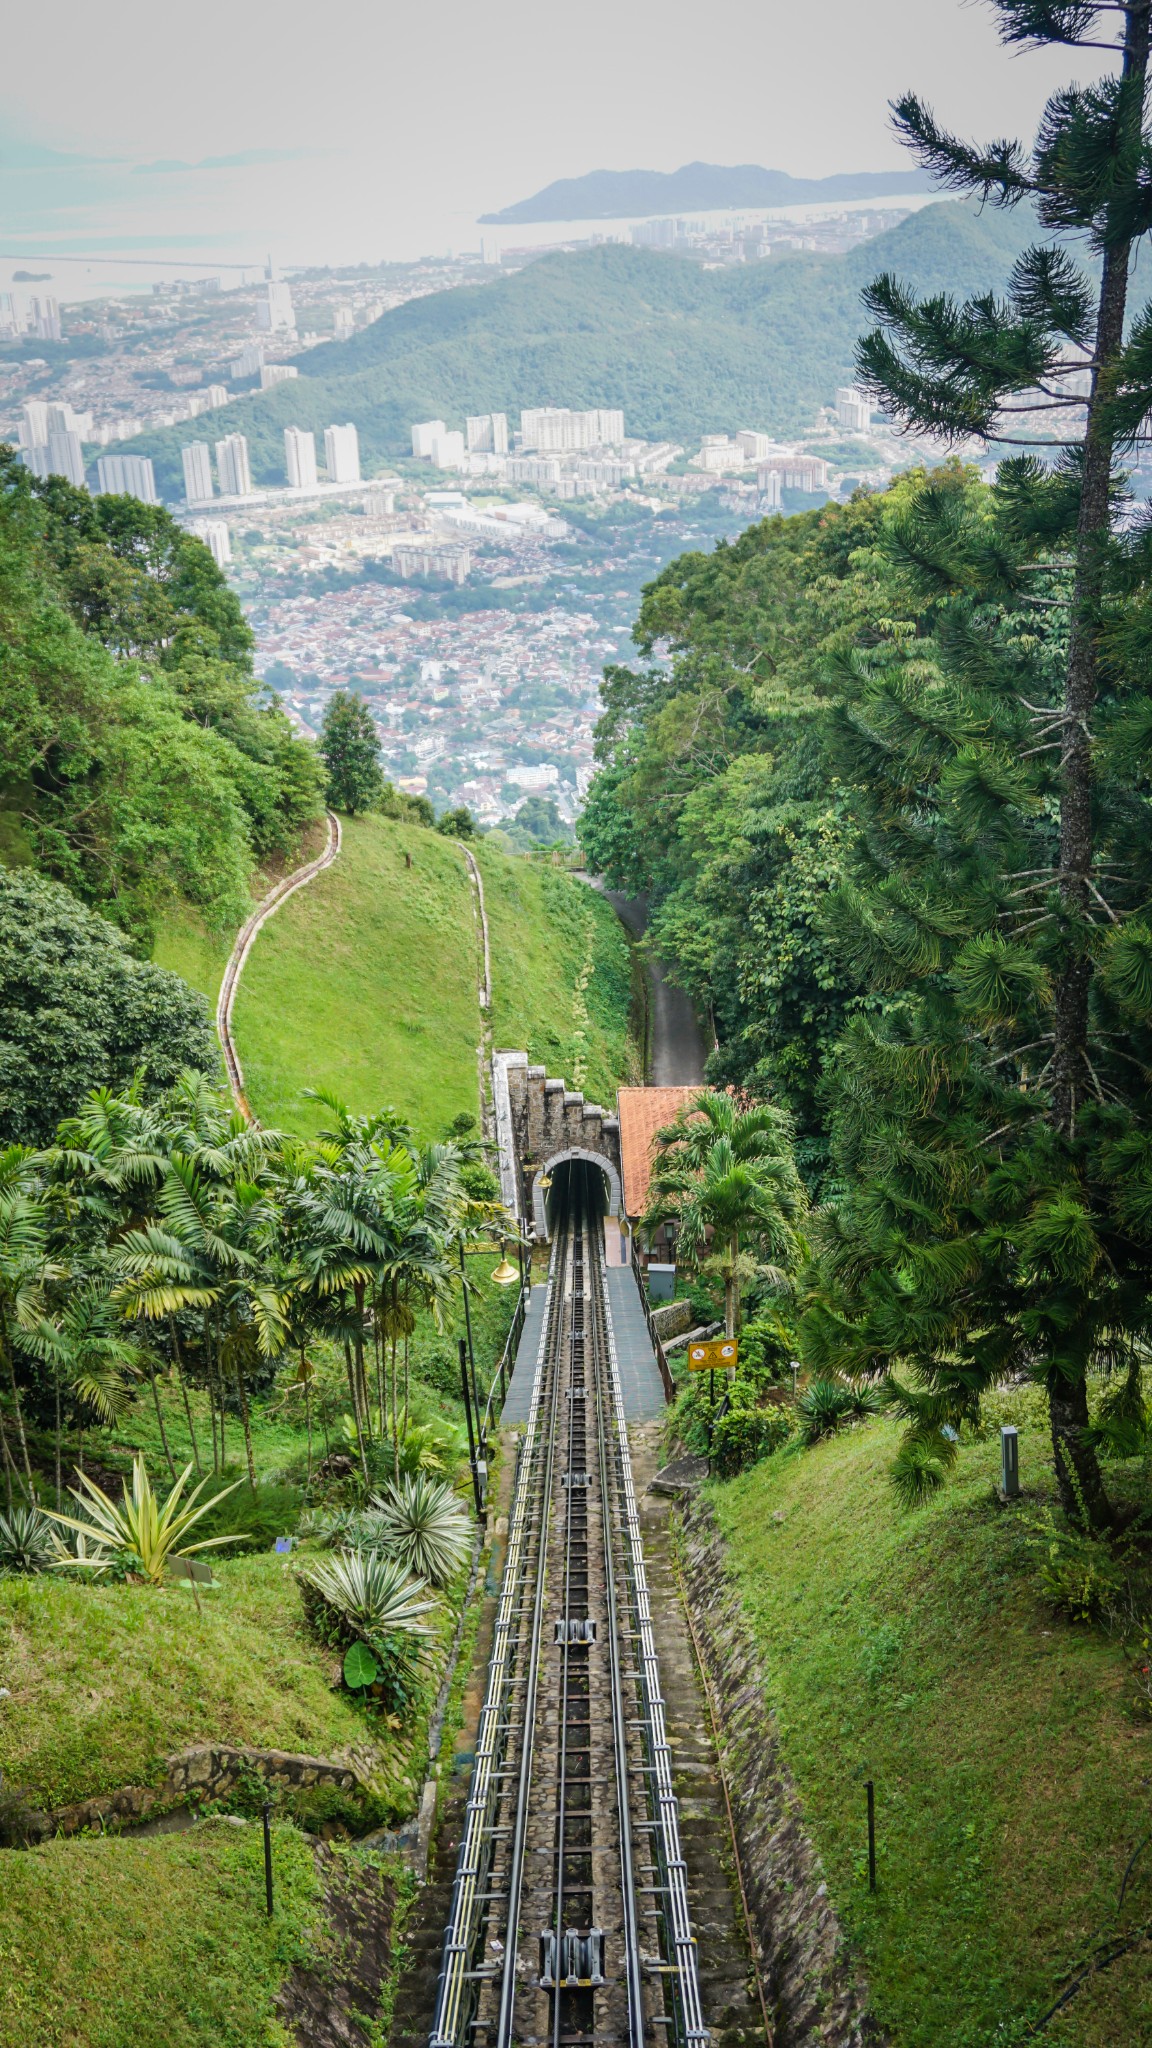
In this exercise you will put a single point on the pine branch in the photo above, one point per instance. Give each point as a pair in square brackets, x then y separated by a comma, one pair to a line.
[997, 171]
[1035, 23]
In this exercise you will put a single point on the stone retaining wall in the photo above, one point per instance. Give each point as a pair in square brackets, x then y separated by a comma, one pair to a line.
[811, 1981]
[672, 1318]
[210, 1771]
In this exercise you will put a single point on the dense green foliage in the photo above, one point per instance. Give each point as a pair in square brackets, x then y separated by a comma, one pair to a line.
[79, 1011]
[682, 349]
[140, 760]
[351, 752]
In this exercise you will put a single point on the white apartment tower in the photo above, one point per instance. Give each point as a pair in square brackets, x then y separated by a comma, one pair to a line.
[66, 457]
[276, 315]
[559, 431]
[215, 536]
[853, 410]
[486, 433]
[300, 458]
[128, 476]
[424, 433]
[197, 473]
[232, 466]
[342, 454]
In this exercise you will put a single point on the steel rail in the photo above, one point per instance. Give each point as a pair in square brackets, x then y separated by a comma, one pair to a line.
[566, 1633]
[474, 1856]
[631, 1929]
[682, 1974]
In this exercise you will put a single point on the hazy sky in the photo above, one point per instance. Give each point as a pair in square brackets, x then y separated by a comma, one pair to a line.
[418, 118]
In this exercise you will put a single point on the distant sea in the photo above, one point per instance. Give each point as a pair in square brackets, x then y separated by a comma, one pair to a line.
[107, 230]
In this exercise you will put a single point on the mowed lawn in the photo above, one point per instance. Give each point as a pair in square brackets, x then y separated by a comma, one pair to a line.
[365, 982]
[1011, 1762]
[561, 974]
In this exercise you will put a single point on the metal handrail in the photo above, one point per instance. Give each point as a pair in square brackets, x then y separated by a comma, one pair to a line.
[507, 1357]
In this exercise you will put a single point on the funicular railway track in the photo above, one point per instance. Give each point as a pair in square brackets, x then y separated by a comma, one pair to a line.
[569, 1923]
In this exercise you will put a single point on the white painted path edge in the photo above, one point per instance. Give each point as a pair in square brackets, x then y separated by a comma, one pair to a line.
[245, 940]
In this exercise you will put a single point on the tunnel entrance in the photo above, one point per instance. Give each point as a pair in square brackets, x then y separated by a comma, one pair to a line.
[582, 1180]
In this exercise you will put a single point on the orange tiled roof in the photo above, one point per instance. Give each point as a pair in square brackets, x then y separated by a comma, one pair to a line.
[644, 1111]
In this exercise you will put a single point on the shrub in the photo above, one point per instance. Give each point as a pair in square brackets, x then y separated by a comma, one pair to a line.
[1083, 1575]
[826, 1405]
[421, 1522]
[260, 1515]
[28, 1541]
[747, 1432]
[140, 1528]
[359, 1596]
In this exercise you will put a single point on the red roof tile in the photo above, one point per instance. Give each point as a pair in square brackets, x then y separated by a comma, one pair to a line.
[644, 1111]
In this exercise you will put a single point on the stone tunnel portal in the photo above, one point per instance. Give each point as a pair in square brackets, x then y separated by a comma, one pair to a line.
[600, 1186]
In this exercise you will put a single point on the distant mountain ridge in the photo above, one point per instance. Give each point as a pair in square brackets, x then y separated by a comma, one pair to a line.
[697, 188]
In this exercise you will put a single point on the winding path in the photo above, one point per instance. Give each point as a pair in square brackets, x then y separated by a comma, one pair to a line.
[245, 939]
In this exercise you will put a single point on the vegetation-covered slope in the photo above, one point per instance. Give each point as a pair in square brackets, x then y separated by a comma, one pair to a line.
[1009, 1760]
[683, 350]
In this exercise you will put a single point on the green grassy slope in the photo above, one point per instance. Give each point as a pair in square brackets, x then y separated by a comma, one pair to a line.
[682, 349]
[159, 1943]
[106, 1681]
[561, 974]
[1011, 1772]
[366, 982]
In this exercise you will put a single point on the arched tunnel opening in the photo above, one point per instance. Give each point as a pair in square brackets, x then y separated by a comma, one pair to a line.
[577, 1185]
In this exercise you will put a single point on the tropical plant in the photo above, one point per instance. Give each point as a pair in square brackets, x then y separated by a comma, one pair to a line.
[142, 1528]
[725, 1169]
[376, 1595]
[748, 1431]
[27, 1541]
[826, 1406]
[421, 1522]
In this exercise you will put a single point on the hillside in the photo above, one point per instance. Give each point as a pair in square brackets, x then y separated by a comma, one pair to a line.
[614, 195]
[366, 981]
[682, 349]
[1005, 1744]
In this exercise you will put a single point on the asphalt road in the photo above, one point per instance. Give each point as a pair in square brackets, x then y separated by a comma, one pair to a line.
[676, 1052]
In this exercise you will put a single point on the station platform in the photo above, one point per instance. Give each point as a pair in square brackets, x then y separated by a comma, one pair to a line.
[640, 1384]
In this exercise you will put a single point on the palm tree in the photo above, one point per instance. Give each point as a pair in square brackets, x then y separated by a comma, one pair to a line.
[25, 1268]
[83, 1341]
[726, 1170]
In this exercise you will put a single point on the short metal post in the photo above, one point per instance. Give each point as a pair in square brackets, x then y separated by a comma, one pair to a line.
[468, 1327]
[268, 1855]
[1009, 1462]
[871, 1791]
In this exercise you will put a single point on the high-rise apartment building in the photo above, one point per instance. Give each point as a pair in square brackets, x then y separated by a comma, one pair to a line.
[558, 430]
[276, 315]
[128, 476]
[755, 447]
[344, 323]
[853, 410]
[216, 394]
[342, 454]
[216, 538]
[232, 466]
[197, 473]
[10, 321]
[300, 458]
[45, 319]
[249, 362]
[276, 373]
[34, 424]
[487, 433]
[66, 456]
[423, 434]
[447, 450]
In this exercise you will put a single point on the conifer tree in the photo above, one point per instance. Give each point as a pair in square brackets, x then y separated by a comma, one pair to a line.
[995, 1121]
[351, 752]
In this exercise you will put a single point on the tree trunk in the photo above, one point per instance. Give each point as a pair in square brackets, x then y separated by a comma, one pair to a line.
[242, 1390]
[160, 1420]
[1082, 1494]
[21, 1438]
[1071, 1060]
[9, 1467]
[184, 1391]
[59, 1447]
[732, 1289]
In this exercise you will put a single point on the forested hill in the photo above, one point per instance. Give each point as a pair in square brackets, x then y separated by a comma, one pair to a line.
[682, 349]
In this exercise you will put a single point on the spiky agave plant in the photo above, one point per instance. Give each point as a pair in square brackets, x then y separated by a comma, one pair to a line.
[826, 1405]
[376, 1596]
[421, 1522]
[142, 1527]
[26, 1541]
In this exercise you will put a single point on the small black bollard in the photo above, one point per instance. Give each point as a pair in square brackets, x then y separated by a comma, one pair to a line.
[871, 1791]
[268, 1856]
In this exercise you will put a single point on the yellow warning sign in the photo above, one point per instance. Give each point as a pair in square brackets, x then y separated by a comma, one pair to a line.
[718, 1354]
